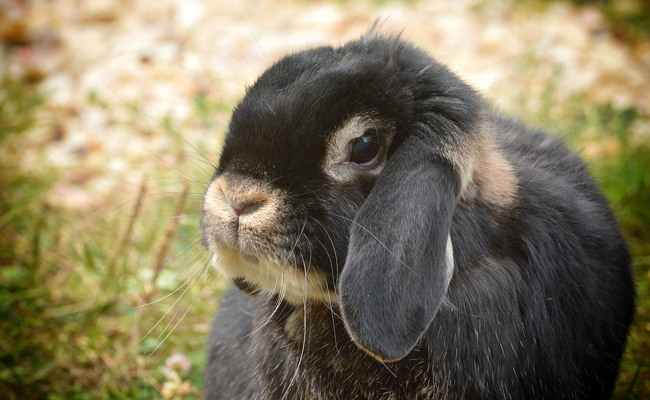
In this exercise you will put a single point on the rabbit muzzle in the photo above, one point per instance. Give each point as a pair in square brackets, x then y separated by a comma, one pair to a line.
[242, 224]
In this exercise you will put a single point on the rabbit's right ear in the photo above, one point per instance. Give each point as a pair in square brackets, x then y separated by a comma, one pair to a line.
[400, 258]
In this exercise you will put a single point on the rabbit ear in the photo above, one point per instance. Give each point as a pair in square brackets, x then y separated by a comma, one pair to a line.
[400, 260]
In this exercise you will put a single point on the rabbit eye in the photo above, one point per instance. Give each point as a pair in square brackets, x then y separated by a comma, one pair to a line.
[364, 150]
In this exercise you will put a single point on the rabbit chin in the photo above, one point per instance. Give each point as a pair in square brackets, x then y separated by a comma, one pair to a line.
[293, 284]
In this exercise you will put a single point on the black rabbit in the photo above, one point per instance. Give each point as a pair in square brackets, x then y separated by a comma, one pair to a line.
[392, 238]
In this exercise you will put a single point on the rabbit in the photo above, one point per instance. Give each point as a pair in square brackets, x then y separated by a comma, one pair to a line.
[390, 236]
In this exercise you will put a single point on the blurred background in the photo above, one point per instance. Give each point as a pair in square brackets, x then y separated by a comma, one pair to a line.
[112, 115]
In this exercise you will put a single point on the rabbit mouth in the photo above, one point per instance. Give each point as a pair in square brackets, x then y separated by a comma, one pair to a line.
[257, 274]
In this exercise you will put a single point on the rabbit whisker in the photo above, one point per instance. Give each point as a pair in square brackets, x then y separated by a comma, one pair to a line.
[295, 196]
[175, 290]
[169, 128]
[193, 281]
[201, 169]
[330, 308]
[174, 193]
[249, 29]
[241, 63]
[304, 335]
[195, 240]
[191, 155]
[182, 216]
[275, 309]
[378, 241]
[329, 258]
[330, 239]
[320, 98]
[173, 317]
[328, 303]
[181, 174]
[388, 369]
[283, 290]
[207, 273]
[170, 181]
[336, 259]
[179, 320]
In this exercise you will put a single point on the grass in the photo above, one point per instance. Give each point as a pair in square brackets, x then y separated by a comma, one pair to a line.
[71, 282]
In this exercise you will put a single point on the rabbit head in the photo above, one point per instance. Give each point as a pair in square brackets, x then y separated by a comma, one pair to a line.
[339, 176]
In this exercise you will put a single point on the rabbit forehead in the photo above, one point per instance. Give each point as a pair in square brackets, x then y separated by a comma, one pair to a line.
[280, 138]
[288, 117]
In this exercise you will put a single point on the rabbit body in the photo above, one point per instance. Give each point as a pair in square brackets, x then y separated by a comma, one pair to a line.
[504, 277]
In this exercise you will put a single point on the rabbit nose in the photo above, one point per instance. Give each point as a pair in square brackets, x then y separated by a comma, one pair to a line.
[242, 207]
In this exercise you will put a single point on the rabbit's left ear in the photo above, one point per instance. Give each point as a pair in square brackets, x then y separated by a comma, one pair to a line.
[400, 259]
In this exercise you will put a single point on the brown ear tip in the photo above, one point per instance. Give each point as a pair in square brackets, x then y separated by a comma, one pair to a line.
[352, 332]
[379, 357]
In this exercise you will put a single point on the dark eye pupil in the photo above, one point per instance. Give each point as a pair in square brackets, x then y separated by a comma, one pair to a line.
[364, 149]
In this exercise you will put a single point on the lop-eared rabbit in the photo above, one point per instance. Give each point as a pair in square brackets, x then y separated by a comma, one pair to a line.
[390, 237]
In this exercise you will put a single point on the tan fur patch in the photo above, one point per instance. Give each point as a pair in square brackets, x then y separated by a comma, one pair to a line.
[294, 325]
[496, 179]
[483, 170]
[293, 284]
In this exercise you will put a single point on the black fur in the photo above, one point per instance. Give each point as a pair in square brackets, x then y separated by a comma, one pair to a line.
[541, 297]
